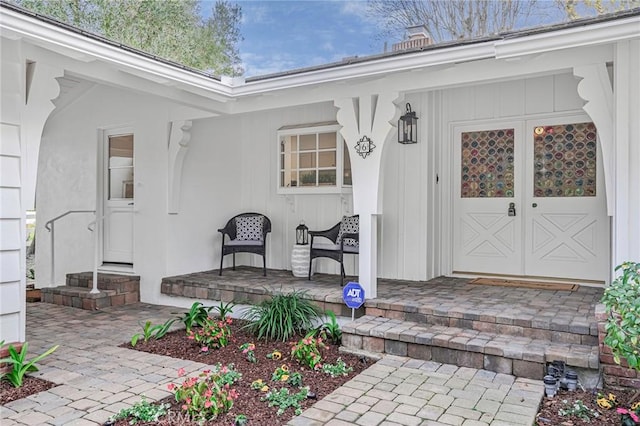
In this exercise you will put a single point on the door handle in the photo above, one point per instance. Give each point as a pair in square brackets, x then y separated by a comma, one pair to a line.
[534, 205]
[130, 204]
[512, 209]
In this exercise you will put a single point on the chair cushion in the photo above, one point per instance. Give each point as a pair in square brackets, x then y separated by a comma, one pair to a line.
[243, 243]
[249, 228]
[335, 247]
[349, 225]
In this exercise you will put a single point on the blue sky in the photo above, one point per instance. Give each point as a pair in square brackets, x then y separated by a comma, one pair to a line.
[281, 35]
[285, 35]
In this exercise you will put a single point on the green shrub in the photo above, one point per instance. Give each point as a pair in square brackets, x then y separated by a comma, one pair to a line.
[622, 300]
[282, 316]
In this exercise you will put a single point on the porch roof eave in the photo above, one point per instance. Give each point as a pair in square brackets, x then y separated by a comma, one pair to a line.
[17, 24]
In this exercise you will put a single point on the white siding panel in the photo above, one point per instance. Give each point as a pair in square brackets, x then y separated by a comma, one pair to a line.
[10, 171]
[10, 203]
[566, 93]
[11, 235]
[9, 140]
[539, 95]
[9, 266]
[511, 98]
[10, 327]
[485, 101]
[9, 298]
[461, 104]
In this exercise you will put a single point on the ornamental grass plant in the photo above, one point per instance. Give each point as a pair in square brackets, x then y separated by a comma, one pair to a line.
[282, 316]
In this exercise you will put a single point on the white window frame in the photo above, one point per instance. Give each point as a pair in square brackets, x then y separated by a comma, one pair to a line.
[307, 129]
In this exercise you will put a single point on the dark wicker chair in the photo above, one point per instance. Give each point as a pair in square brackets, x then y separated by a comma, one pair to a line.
[336, 247]
[246, 235]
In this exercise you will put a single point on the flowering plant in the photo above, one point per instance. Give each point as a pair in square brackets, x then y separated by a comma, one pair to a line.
[622, 301]
[337, 369]
[276, 355]
[630, 416]
[281, 374]
[259, 385]
[213, 333]
[307, 351]
[209, 394]
[248, 349]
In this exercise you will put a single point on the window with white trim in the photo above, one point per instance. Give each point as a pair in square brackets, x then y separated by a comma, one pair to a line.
[312, 159]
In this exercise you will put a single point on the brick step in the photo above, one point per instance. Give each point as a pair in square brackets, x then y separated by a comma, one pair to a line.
[517, 355]
[561, 327]
[81, 297]
[119, 283]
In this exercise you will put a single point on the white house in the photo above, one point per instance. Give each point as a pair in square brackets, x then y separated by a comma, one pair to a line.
[525, 165]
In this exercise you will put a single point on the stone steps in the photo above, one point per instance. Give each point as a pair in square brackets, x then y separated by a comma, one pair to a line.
[520, 356]
[115, 290]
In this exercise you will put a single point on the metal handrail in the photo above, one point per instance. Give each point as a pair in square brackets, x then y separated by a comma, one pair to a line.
[50, 222]
[50, 226]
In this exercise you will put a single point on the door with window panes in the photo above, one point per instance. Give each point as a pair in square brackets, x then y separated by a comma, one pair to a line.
[119, 199]
[530, 200]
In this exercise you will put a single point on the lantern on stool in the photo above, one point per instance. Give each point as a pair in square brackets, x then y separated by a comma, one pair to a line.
[408, 127]
[302, 234]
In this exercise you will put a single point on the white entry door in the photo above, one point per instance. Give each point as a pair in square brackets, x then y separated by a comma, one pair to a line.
[119, 199]
[530, 200]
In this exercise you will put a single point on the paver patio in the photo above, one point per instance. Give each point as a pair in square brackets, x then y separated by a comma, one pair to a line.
[97, 379]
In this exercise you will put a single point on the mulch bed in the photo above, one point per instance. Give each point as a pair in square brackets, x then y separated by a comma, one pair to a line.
[30, 386]
[548, 415]
[176, 345]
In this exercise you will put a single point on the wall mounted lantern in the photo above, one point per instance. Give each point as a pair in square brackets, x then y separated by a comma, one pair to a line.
[408, 127]
[302, 234]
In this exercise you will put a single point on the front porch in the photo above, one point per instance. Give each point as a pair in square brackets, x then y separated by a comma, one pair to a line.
[502, 329]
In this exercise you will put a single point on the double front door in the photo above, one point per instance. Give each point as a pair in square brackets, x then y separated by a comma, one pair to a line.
[529, 200]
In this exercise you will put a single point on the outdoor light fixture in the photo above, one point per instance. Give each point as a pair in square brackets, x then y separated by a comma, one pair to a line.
[302, 234]
[408, 127]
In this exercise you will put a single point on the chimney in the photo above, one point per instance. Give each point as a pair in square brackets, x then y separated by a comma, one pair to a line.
[418, 37]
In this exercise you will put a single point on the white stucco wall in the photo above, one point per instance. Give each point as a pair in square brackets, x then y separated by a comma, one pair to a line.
[67, 181]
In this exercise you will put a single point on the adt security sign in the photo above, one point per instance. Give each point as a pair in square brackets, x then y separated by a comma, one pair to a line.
[353, 295]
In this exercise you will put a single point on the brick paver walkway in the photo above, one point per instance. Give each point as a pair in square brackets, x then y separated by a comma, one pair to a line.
[98, 379]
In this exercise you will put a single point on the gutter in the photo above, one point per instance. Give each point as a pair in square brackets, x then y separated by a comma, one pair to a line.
[586, 32]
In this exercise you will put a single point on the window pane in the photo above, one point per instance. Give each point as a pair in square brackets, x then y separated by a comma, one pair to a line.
[327, 140]
[346, 178]
[565, 160]
[288, 179]
[308, 142]
[327, 178]
[487, 164]
[307, 160]
[121, 167]
[289, 144]
[308, 178]
[327, 159]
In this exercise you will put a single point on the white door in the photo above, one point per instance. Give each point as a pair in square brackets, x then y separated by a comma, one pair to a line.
[567, 227]
[530, 200]
[486, 238]
[119, 198]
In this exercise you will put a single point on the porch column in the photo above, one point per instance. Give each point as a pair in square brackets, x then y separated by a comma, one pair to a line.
[179, 137]
[626, 128]
[371, 116]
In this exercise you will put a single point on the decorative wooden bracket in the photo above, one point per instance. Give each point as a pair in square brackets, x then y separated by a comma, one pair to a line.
[179, 138]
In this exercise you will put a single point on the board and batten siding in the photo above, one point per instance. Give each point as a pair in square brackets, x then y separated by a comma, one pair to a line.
[12, 214]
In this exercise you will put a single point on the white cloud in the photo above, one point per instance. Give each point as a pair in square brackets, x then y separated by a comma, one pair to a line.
[328, 46]
[358, 8]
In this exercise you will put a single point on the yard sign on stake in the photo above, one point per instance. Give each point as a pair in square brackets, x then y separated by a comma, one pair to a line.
[353, 296]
